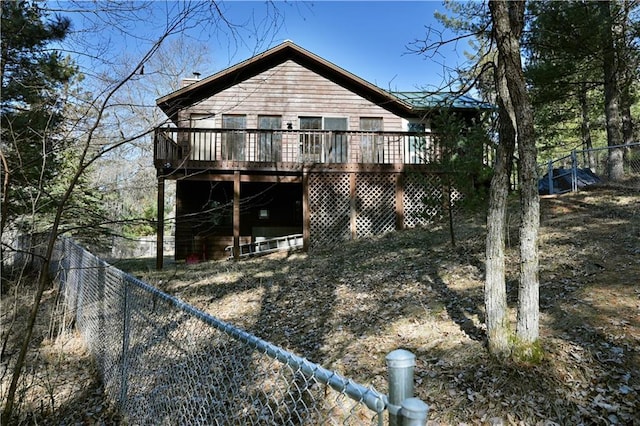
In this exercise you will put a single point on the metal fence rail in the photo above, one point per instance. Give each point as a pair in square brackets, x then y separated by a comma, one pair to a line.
[597, 159]
[165, 362]
[563, 174]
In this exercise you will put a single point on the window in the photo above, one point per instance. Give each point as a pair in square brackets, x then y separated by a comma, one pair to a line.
[310, 123]
[310, 141]
[270, 143]
[233, 142]
[336, 143]
[371, 144]
[324, 146]
[201, 142]
[416, 146]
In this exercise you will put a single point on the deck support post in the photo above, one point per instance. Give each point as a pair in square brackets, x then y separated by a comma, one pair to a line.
[353, 206]
[160, 226]
[399, 201]
[306, 217]
[236, 215]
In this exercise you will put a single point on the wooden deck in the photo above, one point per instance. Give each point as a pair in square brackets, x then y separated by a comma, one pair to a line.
[288, 150]
[352, 183]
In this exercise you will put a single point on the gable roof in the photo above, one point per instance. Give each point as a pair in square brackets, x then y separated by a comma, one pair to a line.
[401, 104]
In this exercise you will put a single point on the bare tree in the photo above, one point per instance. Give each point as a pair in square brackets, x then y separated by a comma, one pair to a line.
[127, 174]
[93, 126]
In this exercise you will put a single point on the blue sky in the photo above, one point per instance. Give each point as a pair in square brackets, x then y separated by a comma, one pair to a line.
[367, 38]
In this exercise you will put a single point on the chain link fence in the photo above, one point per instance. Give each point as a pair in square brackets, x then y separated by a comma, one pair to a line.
[165, 362]
[585, 167]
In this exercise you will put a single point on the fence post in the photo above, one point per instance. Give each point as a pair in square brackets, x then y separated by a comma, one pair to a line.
[414, 412]
[403, 408]
[550, 176]
[574, 171]
[124, 377]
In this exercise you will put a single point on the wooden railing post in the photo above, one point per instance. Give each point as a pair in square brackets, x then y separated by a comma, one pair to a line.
[236, 214]
[160, 226]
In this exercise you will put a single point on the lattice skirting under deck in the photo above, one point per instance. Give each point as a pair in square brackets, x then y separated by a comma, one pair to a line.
[335, 216]
[375, 204]
[329, 208]
[423, 199]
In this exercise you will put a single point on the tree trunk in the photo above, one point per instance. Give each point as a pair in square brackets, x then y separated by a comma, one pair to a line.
[4, 210]
[626, 61]
[452, 232]
[495, 292]
[528, 293]
[586, 126]
[627, 120]
[615, 169]
[508, 22]
[4, 192]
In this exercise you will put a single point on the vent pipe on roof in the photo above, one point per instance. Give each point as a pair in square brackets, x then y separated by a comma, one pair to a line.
[196, 75]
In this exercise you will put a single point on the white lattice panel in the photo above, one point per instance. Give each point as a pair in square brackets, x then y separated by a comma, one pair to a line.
[375, 204]
[423, 199]
[329, 208]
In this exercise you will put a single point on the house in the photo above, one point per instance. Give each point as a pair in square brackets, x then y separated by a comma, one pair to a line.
[288, 143]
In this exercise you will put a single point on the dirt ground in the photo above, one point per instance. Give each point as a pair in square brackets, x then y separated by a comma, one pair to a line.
[347, 308]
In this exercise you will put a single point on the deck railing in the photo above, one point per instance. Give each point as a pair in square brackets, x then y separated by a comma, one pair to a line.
[174, 146]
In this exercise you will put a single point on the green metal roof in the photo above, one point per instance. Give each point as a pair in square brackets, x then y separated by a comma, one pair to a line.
[428, 100]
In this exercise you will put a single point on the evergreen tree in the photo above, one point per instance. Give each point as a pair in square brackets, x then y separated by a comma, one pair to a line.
[564, 69]
[462, 144]
[34, 79]
[583, 67]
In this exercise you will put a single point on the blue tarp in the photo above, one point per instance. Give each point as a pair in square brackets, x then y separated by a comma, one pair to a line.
[562, 180]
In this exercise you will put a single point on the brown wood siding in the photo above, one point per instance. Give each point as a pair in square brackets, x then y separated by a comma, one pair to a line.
[290, 90]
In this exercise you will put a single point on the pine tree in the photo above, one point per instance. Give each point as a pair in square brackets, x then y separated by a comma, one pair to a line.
[564, 69]
[31, 107]
[583, 69]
